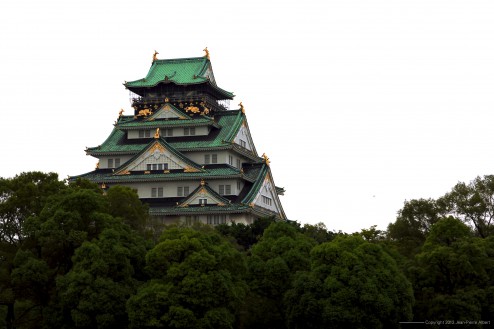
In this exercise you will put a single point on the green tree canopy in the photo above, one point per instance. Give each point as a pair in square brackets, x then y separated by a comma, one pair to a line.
[196, 282]
[453, 274]
[352, 283]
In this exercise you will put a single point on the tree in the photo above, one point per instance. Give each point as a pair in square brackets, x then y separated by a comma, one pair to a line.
[453, 274]
[94, 292]
[411, 227]
[318, 232]
[245, 235]
[21, 197]
[124, 203]
[196, 282]
[473, 203]
[281, 252]
[351, 284]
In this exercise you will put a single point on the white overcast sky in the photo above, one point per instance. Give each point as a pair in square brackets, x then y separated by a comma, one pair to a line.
[359, 104]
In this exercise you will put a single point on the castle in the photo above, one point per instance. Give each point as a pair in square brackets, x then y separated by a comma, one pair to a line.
[188, 156]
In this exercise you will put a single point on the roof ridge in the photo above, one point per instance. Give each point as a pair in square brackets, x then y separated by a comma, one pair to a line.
[181, 59]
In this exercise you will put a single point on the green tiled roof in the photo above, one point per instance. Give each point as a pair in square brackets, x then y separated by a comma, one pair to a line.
[229, 208]
[228, 121]
[106, 176]
[181, 71]
[259, 180]
[137, 124]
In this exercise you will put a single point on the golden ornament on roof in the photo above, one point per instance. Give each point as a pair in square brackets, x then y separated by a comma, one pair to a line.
[241, 107]
[97, 165]
[193, 109]
[155, 57]
[266, 159]
[207, 52]
[203, 182]
[121, 112]
[157, 133]
[144, 113]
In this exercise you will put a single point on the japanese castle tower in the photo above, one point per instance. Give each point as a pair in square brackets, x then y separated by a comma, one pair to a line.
[189, 156]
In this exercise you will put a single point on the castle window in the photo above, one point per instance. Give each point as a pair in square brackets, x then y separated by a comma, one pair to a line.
[203, 201]
[144, 133]
[210, 158]
[243, 143]
[216, 219]
[230, 160]
[190, 220]
[266, 200]
[182, 191]
[168, 132]
[157, 166]
[189, 131]
[157, 192]
[238, 163]
[113, 163]
[225, 190]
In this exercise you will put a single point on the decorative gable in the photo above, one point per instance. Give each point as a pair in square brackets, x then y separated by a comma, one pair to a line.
[243, 137]
[204, 196]
[168, 111]
[267, 196]
[158, 156]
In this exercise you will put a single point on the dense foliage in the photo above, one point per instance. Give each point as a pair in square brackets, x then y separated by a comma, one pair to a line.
[72, 256]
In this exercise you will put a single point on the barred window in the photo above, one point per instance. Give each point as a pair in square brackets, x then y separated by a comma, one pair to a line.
[182, 190]
[157, 192]
[266, 200]
[216, 219]
[189, 131]
[225, 190]
[168, 132]
[157, 166]
[190, 220]
[144, 133]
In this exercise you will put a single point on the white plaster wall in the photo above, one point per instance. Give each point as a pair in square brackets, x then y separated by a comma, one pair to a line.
[244, 218]
[198, 157]
[169, 188]
[103, 160]
[243, 134]
[133, 134]
[215, 185]
[177, 132]
[269, 191]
